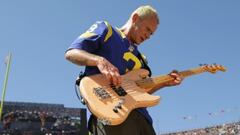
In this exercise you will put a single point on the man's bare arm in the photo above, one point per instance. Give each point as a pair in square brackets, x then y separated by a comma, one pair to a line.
[83, 58]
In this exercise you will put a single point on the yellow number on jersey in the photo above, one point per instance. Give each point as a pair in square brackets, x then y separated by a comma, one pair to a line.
[129, 56]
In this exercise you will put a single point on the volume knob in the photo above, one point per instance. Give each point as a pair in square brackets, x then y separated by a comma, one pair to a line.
[115, 109]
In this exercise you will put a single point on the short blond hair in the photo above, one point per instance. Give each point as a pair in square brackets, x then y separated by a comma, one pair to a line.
[147, 11]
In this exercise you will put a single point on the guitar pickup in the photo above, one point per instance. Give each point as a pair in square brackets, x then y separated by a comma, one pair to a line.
[119, 90]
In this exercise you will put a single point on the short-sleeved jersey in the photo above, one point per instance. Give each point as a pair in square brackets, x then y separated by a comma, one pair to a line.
[104, 40]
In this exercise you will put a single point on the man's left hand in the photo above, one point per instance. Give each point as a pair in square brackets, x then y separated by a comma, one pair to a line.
[177, 78]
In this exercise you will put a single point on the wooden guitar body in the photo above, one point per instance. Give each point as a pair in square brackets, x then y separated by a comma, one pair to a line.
[112, 105]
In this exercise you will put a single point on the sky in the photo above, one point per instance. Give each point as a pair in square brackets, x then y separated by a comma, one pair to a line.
[37, 33]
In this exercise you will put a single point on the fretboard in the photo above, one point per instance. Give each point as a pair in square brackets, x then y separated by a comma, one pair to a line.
[152, 82]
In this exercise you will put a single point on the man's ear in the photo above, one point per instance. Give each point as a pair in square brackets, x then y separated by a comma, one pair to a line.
[135, 17]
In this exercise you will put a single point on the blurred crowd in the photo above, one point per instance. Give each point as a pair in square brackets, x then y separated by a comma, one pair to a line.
[42, 119]
[21, 118]
[224, 129]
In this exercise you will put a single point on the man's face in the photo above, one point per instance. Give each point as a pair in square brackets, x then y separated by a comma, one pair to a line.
[142, 29]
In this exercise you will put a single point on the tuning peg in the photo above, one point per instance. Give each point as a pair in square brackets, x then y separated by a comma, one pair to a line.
[222, 68]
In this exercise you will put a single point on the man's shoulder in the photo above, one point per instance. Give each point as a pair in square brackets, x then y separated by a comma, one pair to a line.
[103, 25]
[99, 28]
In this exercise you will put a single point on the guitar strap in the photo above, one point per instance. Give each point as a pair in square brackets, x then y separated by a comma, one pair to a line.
[77, 83]
[144, 62]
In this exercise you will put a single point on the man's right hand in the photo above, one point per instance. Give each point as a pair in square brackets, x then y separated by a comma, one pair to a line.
[109, 71]
[81, 57]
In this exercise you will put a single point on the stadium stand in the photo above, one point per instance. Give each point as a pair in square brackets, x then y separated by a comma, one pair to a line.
[22, 118]
[224, 129]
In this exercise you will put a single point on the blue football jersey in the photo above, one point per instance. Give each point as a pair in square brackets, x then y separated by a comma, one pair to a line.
[104, 40]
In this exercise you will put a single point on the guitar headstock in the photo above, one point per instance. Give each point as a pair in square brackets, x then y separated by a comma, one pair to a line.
[213, 68]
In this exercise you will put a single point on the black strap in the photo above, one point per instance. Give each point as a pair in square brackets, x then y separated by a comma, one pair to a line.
[77, 83]
[145, 65]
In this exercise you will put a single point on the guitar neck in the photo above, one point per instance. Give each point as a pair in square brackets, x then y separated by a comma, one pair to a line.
[191, 72]
[150, 83]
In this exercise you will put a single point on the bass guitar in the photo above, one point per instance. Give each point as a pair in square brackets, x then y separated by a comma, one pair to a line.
[112, 104]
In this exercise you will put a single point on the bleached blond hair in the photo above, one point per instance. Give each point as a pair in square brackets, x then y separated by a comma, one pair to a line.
[146, 11]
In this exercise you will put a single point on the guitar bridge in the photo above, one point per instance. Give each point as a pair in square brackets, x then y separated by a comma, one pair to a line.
[101, 93]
